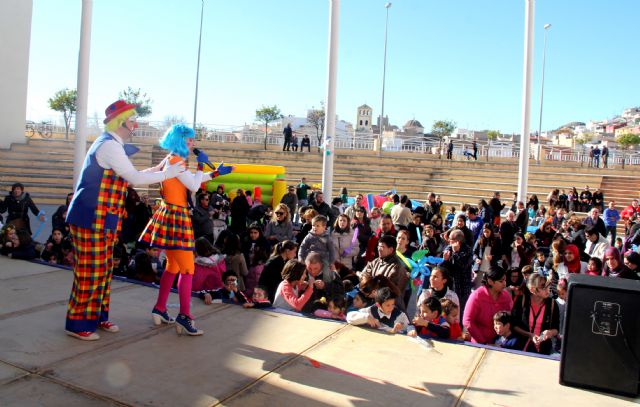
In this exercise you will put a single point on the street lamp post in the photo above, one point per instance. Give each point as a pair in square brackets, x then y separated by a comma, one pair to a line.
[384, 74]
[195, 102]
[544, 57]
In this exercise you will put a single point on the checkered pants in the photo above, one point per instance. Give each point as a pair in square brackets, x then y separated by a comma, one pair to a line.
[89, 300]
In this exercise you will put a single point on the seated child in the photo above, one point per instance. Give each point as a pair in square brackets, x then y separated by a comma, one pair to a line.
[415, 231]
[594, 268]
[448, 221]
[150, 258]
[561, 301]
[319, 241]
[52, 251]
[538, 263]
[335, 309]
[119, 261]
[384, 314]
[259, 299]
[229, 293]
[429, 322]
[505, 337]
[19, 245]
[359, 301]
[619, 244]
[451, 313]
[209, 266]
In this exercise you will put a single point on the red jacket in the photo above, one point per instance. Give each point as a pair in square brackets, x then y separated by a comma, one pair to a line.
[372, 246]
[629, 211]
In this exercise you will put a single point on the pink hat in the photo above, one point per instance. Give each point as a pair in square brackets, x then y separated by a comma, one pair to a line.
[117, 107]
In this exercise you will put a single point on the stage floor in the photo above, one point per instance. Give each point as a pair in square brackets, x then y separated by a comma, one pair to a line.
[246, 358]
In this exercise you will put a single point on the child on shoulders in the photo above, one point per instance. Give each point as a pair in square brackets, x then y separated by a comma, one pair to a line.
[319, 241]
[384, 314]
[429, 322]
[505, 338]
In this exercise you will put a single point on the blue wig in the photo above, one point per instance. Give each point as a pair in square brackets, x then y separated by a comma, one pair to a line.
[174, 140]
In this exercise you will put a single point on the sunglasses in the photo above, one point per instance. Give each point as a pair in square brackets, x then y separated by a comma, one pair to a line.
[279, 213]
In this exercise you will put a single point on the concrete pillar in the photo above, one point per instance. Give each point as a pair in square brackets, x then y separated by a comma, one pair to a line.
[527, 76]
[80, 145]
[15, 40]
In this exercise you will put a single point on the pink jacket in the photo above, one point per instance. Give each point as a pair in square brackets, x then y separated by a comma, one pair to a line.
[286, 296]
[479, 312]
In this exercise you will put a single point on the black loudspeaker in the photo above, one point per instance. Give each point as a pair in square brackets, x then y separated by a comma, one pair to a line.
[601, 343]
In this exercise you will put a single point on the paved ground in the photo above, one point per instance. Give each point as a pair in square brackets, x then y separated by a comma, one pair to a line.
[246, 358]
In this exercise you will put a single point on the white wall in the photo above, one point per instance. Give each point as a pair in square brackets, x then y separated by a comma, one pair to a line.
[15, 37]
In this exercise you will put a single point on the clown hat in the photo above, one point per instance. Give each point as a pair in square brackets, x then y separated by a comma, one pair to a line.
[117, 107]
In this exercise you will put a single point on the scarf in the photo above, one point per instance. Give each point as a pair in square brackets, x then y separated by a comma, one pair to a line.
[573, 266]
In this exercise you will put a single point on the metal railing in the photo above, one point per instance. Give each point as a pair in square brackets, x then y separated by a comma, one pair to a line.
[360, 141]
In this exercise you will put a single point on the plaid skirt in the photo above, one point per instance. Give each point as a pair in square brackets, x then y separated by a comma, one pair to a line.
[170, 228]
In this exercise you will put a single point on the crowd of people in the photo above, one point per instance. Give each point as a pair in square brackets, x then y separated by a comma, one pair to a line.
[469, 273]
[498, 270]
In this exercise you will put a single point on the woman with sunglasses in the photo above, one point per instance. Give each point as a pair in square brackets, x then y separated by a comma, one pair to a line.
[535, 316]
[280, 227]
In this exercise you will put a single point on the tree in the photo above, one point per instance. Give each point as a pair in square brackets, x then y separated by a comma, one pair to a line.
[626, 141]
[64, 101]
[493, 135]
[442, 129]
[266, 115]
[316, 118]
[136, 97]
[581, 140]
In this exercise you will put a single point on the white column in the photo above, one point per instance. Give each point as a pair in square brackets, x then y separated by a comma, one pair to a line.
[523, 170]
[330, 113]
[80, 146]
[15, 40]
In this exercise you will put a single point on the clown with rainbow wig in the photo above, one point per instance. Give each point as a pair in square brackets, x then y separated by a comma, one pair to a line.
[170, 227]
[95, 217]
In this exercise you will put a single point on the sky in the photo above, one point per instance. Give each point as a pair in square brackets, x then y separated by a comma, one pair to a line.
[446, 60]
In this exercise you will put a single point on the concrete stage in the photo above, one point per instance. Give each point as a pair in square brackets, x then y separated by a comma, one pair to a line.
[245, 358]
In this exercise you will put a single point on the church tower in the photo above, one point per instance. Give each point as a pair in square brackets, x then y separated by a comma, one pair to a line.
[363, 120]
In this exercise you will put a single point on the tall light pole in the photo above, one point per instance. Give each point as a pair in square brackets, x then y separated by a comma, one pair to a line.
[544, 57]
[384, 74]
[330, 112]
[195, 102]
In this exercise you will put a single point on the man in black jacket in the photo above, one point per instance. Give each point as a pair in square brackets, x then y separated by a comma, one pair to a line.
[496, 207]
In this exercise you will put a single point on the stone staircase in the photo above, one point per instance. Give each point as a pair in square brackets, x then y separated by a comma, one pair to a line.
[46, 169]
[622, 189]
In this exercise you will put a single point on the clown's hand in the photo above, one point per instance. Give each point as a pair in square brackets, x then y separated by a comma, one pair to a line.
[173, 170]
[202, 157]
[224, 169]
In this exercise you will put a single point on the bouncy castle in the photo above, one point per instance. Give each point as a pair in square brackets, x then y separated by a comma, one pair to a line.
[267, 182]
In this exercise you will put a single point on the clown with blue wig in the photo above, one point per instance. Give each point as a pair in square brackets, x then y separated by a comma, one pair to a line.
[170, 227]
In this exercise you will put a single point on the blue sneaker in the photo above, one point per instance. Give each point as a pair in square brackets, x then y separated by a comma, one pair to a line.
[184, 324]
[161, 316]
